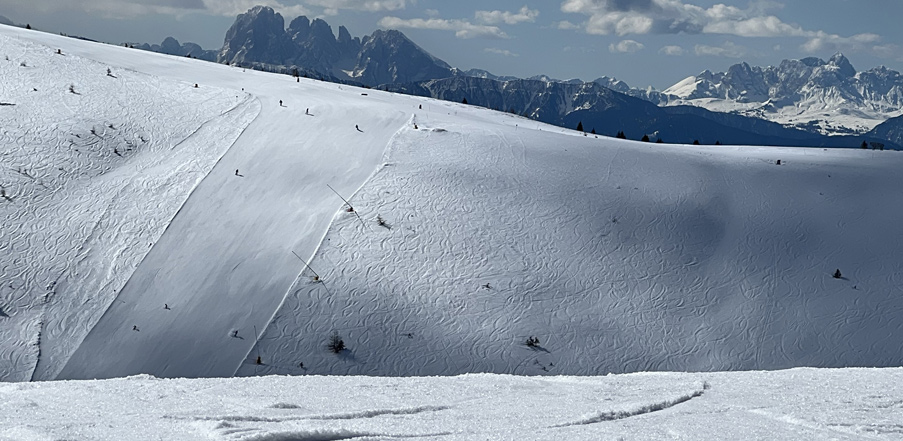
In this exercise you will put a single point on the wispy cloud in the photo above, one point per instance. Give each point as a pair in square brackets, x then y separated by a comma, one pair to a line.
[626, 46]
[728, 49]
[289, 8]
[672, 50]
[503, 52]
[625, 17]
[332, 7]
[495, 17]
[461, 28]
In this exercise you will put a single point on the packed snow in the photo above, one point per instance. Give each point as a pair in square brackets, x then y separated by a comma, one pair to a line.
[847, 404]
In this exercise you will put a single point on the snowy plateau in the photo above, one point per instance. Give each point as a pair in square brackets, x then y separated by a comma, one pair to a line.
[169, 224]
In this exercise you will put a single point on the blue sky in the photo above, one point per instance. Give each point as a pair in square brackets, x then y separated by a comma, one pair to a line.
[643, 42]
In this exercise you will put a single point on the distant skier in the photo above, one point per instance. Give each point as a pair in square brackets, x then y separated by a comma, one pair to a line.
[134, 327]
[307, 111]
[358, 128]
[259, 361]
[236, 172]
[235, 334]
[280, 103]
[166, 306]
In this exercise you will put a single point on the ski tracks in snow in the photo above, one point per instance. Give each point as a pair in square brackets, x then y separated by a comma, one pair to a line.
[90, 180]
[617, 256]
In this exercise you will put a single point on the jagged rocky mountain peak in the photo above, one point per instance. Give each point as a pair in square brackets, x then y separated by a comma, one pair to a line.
[841, 62]
[258, 37]
[299, 28]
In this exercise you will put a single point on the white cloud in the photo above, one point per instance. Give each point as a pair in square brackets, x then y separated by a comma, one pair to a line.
[503, 52]
[566, 25]
[495, 17]
[288, 8]
[359, 5]
[231, 8]
[461, 28]
[728, 49]
[672, 50]
[821, 42]
[626, 46]
[625, 17]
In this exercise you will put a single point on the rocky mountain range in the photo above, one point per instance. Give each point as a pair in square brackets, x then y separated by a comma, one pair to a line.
[172, 46]
[796, 103]
[604, 111]
[828, 97]
[260, 36]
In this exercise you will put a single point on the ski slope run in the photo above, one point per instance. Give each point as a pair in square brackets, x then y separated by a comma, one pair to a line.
[618, 256]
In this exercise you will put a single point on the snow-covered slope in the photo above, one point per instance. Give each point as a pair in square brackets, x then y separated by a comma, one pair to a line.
[618, 256]
[95, 163]
[847, 404]
[827, 97]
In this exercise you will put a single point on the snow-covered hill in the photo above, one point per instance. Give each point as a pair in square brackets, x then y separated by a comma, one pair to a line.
[827, 97]
[846, 404]
[618, 256]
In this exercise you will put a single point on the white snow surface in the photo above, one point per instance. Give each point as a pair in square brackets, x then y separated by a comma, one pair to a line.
[617, 256]
[847, 404]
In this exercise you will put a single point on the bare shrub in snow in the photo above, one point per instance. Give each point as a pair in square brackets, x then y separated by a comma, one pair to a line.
[336, 344]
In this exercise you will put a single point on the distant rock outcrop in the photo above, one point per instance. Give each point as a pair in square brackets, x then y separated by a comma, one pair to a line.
[259, 37]
[171, 46]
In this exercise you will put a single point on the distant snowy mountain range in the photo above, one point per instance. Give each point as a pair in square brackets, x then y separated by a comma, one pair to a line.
[828, 97]
[808, 98]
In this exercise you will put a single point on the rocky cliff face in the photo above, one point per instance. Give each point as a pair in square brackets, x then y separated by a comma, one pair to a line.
[259, 37]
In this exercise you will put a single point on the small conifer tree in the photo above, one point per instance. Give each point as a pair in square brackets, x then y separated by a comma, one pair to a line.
[580, 126]
[336, 344]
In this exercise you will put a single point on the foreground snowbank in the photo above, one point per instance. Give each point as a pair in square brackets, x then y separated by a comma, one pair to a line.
[795, 404]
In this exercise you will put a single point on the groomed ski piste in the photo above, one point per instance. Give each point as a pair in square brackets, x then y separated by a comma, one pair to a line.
[176, 218]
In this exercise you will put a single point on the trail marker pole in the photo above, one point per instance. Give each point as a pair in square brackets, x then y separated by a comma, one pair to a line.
[349, 205]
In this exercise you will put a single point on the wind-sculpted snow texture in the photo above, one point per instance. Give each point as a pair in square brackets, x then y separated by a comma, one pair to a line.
[94, 164]
[845, 404]
[618, 256]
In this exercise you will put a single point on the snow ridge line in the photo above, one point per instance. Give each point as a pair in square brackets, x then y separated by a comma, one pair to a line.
[649, 408]
[244, 103]
[310, 258]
